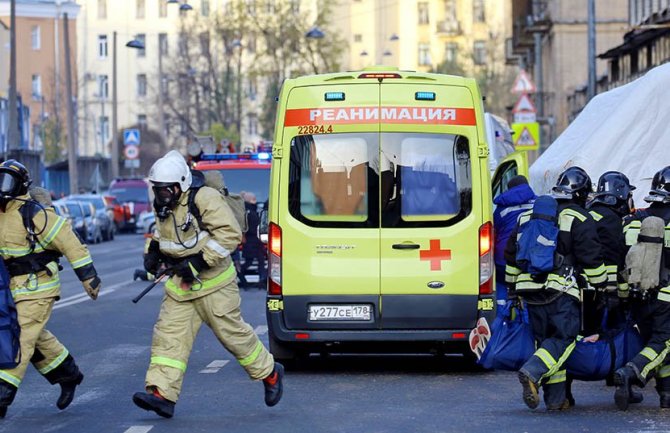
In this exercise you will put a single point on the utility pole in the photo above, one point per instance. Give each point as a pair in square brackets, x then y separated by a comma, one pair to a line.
[13, 133]
[71, 142]
[115, 126]
[161, 110]
[591, 89]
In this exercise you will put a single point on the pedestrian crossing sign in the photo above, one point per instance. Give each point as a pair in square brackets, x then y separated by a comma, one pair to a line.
[526, 136]
[131, 137]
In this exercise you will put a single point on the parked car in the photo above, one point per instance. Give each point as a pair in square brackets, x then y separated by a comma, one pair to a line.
[119, 213]
[93, 225]
[147, 222]
[76, 212]
[136, 193]
[106, 223]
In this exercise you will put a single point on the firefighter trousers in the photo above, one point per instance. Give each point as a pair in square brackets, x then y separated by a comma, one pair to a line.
[177, 327]
[39, 346]
[555, 327]
[653, 319]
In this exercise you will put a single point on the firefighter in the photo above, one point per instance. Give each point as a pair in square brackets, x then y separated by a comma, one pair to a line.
[612, 202]
[32, 239]
[653, 312]
[202, 288]
[554, 299]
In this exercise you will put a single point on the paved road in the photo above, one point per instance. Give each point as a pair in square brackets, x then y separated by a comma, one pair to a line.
[110, 339]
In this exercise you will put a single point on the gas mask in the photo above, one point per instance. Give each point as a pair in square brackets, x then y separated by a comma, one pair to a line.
[166, 197]
[9, 188]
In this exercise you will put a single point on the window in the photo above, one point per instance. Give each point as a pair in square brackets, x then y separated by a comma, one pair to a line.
[451, 52]
[165, 85]
[140, 9]
[295, 6]
[102, 9]
[450, 10]
[103, 87]
[270, 7]
[253, 88]
[204, 8]
[358, 37]
[102, 47]
[424, 55]
[204, 43]
[478, 13]
[251, 44]
[142, 121]
[104, 129]
[251, 7]
[37, 87]
[424, 16]
[183, 127]
[163, 43]
[339, 180]
[35, 38]
[182, 44]
[253, 125]
[167, 119]
[162, 8]
[141, 85]
[479, 52]
[183, 85]
[143, 39]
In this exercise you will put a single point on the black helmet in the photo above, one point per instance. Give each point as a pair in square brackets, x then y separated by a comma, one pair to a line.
[660, 187]
[14, 179]
[614, 190]
[573, 184]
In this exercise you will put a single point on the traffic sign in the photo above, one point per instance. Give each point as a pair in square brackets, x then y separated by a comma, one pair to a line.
[131, 137]
[131, 152]
[523, 83]
[525, 117]
[524, 104]
[526, 135]
[131, 163]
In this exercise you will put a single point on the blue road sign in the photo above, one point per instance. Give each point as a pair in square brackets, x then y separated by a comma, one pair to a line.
[131, 137]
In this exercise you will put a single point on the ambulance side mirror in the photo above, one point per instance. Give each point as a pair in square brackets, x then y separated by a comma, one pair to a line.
[263, 227]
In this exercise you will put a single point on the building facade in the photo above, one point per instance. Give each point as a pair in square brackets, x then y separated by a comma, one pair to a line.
[550, 41]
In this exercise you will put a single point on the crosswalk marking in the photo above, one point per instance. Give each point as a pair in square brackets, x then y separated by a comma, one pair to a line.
[214, 366]
[261, 329]
[139, 429]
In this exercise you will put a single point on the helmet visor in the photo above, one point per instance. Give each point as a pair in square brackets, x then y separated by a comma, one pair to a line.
[9, 184]
[166, 194]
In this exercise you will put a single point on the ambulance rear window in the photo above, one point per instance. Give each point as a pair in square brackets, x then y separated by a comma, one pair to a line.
[340, 180]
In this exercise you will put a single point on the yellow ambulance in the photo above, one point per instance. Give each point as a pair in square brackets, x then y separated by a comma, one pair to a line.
[380, 213]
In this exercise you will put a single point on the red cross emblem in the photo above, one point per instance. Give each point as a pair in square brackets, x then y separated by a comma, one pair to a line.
[435, 255]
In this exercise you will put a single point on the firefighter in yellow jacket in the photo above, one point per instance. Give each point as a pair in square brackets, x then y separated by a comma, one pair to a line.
[32, 239]
[194, 239]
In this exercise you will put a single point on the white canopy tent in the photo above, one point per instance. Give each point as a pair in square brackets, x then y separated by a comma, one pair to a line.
[625, 129]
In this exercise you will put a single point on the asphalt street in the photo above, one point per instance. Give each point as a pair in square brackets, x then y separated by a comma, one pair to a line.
[110, 339]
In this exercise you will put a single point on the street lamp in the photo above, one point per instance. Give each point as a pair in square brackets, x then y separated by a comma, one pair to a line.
[394, 37]
[315, 33]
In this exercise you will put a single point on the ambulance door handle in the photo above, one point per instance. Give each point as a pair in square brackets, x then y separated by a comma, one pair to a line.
[406, 246]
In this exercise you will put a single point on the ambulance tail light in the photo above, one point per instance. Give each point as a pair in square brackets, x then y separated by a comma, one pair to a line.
[486, 259]
[380, 75]
[274, 262]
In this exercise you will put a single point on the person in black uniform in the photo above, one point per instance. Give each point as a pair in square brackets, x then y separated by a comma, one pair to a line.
[554, 300]
[253, 248]
[653, 313]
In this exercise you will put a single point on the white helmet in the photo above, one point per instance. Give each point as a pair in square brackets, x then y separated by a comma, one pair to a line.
[171, 168]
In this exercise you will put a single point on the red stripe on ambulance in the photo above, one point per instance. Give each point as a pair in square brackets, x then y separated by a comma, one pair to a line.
[394, 115]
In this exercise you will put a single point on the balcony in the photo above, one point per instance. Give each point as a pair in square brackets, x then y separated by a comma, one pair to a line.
[449, 27]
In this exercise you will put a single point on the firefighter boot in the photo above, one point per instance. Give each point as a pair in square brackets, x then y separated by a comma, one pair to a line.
[623, 381]
[274, 387]
[530, 394]
[68, 376]
[154, 401]
[555, 396]
[7, 394]
[663, 389]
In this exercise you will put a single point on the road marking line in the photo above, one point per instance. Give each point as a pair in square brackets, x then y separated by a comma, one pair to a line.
[139, 429]
[84, 297]
[214, 366]
[261, 330]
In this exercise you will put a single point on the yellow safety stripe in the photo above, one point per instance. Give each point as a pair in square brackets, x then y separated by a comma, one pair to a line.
[512, 270]
[664, 371]
[207, 284]
[653, 364]
[81, 262]
[60, 221]
[623, 290]
[565, 222]
[55, 363]
[573, 213]
[631, 231]
[662, 296]
[174, 363]
[13, 380]
[596, 216]
[554, 281]
[553, 370]
[649, 353]
[41, 287]
[546, 358]
[51, 235]
[254, 355]
[596, 275]
[559, 377]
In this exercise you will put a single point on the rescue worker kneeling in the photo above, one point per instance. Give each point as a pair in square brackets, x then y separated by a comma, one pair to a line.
[648, 265]
[32, 239]
[202, 287]
[554, 298]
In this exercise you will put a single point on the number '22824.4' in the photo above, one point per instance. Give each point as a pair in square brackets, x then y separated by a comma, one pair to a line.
[315, 129]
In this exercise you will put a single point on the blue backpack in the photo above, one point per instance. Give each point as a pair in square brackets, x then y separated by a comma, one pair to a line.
[537, 238]
[10, 331]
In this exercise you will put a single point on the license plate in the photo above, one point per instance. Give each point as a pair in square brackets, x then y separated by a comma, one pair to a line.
[340, 312]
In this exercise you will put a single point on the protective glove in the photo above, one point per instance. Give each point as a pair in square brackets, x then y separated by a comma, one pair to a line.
[189, 268]
[153, 258]
[92, 287]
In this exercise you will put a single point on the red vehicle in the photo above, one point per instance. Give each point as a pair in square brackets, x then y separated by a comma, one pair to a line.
[135, 193]
[119, 213]
[248, 172]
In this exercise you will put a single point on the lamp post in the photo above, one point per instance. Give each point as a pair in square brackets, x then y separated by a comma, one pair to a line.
[13, 133]
[315, 33]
